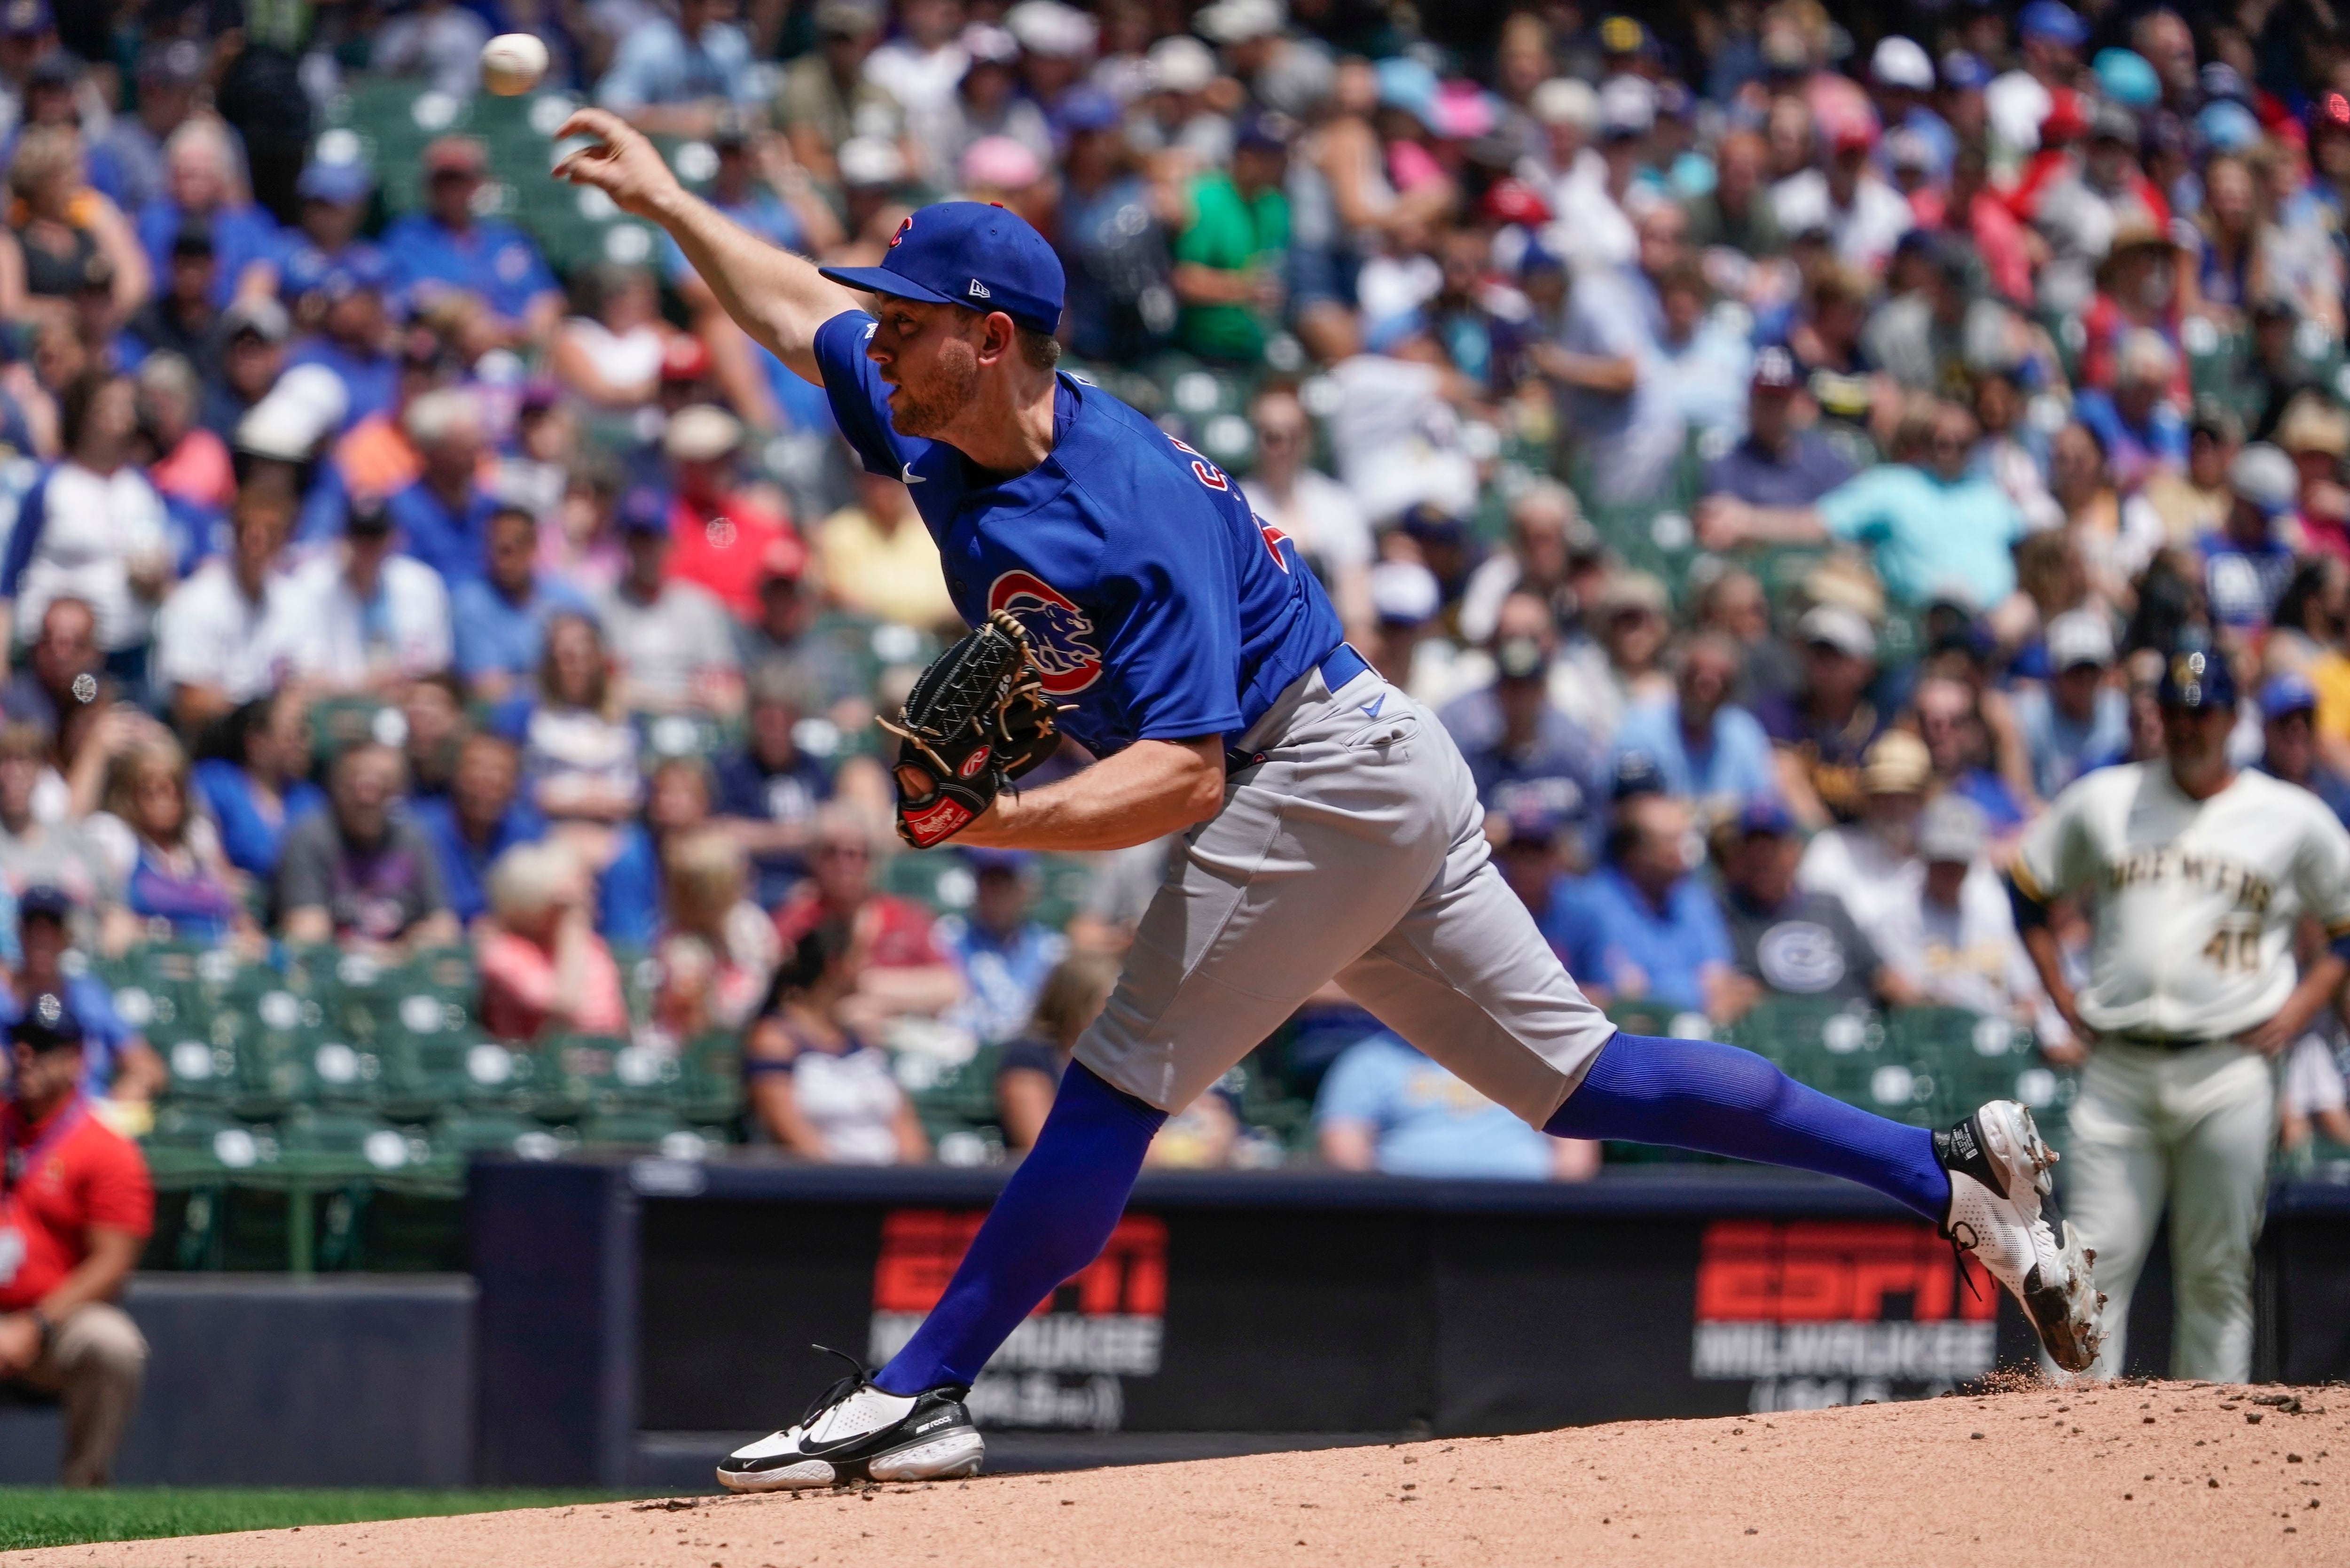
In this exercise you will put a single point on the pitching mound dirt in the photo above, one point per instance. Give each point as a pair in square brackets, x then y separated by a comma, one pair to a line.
[2134, 1474]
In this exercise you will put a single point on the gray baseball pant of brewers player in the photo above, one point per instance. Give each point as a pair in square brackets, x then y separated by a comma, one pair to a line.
[1355, 847]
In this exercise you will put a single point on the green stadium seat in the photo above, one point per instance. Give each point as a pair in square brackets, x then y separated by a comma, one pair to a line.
[460, 1133]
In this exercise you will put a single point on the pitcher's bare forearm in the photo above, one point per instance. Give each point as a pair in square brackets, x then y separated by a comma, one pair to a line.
[777, 298]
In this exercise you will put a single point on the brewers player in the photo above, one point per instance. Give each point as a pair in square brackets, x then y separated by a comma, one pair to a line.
[1329, 826]
[2199, 876]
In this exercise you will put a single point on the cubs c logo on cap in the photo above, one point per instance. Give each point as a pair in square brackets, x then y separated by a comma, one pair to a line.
[903, 225]
[1060, 635]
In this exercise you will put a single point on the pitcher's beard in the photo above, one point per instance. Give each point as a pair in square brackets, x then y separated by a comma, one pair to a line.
[932, 410]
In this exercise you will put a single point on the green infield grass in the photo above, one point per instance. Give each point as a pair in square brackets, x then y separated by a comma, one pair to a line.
[44, 1516]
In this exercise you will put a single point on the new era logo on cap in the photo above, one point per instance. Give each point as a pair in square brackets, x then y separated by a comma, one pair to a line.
[954, 253]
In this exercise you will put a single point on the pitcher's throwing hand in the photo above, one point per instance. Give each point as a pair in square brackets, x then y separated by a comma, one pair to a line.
[622, 162]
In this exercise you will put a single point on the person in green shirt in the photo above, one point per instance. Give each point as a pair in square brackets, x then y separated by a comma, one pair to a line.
[1228, 259]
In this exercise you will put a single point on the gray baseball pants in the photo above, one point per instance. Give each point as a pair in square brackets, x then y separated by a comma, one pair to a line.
[1355, 848]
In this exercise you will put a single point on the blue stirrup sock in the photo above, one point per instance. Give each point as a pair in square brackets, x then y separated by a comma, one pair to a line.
[1717, 1099]
[1053, 1218]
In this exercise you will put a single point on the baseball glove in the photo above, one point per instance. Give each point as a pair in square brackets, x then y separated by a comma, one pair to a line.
[977, 718]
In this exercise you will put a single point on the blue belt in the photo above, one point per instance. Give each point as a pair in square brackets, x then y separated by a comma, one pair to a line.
[1341, 665]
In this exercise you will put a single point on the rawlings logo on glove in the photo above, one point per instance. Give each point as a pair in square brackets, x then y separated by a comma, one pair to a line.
[977, 718]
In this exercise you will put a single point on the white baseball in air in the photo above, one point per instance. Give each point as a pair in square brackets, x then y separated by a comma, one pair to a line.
[512, 63]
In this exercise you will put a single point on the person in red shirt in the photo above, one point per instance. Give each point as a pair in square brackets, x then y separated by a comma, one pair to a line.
[76, 1207]
[902, 970]
[722, 540]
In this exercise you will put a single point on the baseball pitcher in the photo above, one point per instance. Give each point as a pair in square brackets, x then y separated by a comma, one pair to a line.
[2198, 875]
[1330, 827]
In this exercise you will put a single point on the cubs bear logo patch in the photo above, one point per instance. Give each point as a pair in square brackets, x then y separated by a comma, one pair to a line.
[1061, 637]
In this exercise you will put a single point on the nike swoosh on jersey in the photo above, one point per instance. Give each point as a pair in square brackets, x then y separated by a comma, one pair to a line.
[907, 475]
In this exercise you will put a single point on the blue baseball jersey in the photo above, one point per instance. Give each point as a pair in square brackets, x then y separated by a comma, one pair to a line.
[1156, 603]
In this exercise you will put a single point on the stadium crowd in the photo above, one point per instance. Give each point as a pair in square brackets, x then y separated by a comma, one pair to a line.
[1784, 447]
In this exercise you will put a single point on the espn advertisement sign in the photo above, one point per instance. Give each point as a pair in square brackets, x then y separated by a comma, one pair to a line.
[1064, 1367]
[1812, 1313]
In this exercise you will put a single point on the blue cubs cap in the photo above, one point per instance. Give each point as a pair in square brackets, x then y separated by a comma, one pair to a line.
[49, 902]
[2048, 19]
[2196, 679]
[341, 184]
[972, 254]
[46, 1024]
[2280, 694]
[361, 267]
[644, 510]
[1764, 816]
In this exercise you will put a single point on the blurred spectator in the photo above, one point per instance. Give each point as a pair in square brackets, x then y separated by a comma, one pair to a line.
[2246, 565]
[2079, 717]
[1519, 744]
[903, 972]
[2312, 1097]
[84, 1211]
[768, 792]
[1707, 747]
[188, 465]
[483, 816]
[1823, 729]
[436, 39]
[322, 259]
[1872, 865]
[163, 853]
[499, 619]
[1028, 1073]
[254, 779]
[715, 947]
[248, 358]
[1384, 1106]
[1776, 464]
[1551, 553]
[62, 232]
[2289, 742]
[1864, 216]
[432, 712]
[676, 78]
[231, 631]
[443, 517]
[1959, 744]
[879, 559]
[825, 98]
[203, 189]
[1789, 940]
[118, 1064]
[1632, 434]
[1936, 529]
[1228, 247]
[2136, 424]
[1642, 927]
[358, 874]
[578, 749]
[35, 852]
[1958, 946]
[168, 73]
[816, 1085]
[1320, 516]
[543, 965]
[2112, 536]
[374, 619]
[446, 247]
[91, 529]
[1120, 301]
[671, 648]
[609, 355]
[1002, 953]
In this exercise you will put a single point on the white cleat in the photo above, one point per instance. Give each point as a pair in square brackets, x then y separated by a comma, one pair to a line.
[2000, 1211]
[853, 1431]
